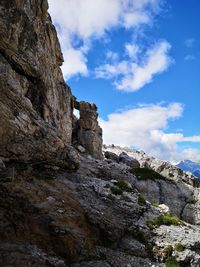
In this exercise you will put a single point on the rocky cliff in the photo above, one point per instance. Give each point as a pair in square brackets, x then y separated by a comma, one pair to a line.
[36, 104]
[62, 203]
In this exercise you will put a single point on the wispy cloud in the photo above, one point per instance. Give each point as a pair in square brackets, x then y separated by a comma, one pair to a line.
[189, 43]
[189, 57]
[80, 22]
[145, 127]
[139, 69]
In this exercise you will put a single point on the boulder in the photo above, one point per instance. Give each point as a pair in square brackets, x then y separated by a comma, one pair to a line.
[131, 162]
[111, 155]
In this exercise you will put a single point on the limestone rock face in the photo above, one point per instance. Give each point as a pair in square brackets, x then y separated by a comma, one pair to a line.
[88, 132]
[36, 113]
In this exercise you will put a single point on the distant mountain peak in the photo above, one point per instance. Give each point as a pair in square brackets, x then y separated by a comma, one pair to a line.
[190, 166]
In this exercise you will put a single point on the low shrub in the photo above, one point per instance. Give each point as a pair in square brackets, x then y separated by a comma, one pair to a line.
[116, 190]
[124, 186]
[165, 219]
[147, 174]
[141, 200]
[172, 262]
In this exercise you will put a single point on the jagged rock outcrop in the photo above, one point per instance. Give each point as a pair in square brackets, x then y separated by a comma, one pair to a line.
[87, 132]
[36, 104]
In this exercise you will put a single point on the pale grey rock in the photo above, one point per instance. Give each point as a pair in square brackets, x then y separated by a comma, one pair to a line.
[188, 236]
[81, 149]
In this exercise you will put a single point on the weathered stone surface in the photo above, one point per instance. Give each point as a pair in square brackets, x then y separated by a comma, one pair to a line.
[112, 156]
[126, 159]
[185, 236]
[87, 131]
[35, 113]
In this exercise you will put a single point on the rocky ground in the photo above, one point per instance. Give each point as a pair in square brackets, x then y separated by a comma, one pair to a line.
[97, 216]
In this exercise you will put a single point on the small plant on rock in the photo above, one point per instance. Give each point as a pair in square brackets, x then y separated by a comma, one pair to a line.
[168, 250]
[116, 190]
[179, 247]
[141, 200]
[124, 186]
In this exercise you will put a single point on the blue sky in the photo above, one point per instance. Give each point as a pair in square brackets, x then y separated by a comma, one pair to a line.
[139, 61]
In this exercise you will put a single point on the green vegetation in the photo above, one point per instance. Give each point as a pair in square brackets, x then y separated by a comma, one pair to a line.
[141, 200]
[179, 247]
[165, 219]
[156, 204]
[116, 190]
[124, 186]
[145, 174]
[172, 262]
[119, 187]
[168, 250]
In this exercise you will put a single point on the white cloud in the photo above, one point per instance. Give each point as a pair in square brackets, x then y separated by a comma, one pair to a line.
[132, 76]
[85, 20]
[145, 127]
[132, 51]
[192, 154]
